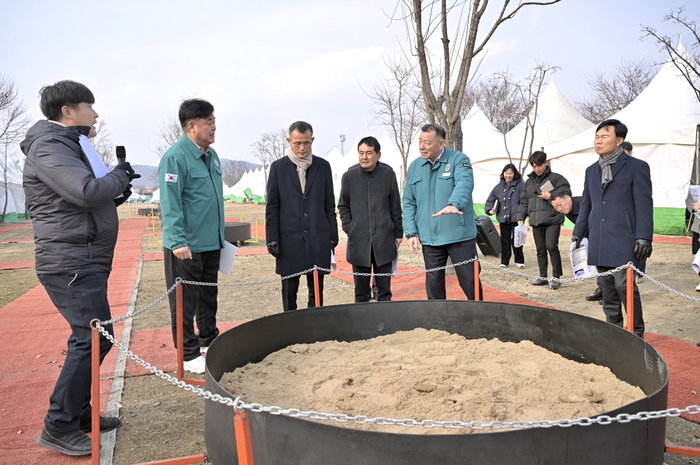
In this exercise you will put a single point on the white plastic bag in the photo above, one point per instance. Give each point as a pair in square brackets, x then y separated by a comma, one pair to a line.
[579, 260]
[519, 235]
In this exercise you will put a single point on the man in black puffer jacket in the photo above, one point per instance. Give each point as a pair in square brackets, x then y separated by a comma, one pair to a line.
[75, 231]
[545, 221]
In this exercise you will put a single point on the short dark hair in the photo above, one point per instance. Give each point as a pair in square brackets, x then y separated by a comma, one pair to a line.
[193, 109]
[372, 142]
[301, 126]
[558, 195]
[626, 146]
[620, 128]
[537, 158]
[511, 167]
[63, 93]
[436, 128]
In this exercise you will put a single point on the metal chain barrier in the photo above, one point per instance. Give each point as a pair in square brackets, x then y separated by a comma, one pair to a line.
[239, 402]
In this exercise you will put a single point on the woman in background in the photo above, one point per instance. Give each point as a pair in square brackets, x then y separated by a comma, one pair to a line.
[504, 202]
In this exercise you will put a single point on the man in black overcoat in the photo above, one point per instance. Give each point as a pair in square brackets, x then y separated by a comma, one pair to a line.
[618, 212]
[370, 212]
[301, 229]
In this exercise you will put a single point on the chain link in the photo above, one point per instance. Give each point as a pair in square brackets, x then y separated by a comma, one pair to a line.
[239, 402]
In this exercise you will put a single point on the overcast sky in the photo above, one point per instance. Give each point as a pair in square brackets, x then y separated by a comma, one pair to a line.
[264, 64]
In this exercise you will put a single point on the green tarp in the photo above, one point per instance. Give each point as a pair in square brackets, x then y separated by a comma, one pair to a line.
[256, 199]
[11, 218]
[235, 198]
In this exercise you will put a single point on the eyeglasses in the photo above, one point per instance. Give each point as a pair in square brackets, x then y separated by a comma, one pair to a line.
[299, 144]
[558, 207]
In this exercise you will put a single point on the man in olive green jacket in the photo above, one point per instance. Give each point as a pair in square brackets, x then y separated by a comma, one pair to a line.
[192, 208]
[438, 212]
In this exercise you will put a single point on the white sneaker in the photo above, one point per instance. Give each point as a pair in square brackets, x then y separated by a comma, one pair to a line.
[697, 288]
[520, 265]
[503, 266]
[195, 366]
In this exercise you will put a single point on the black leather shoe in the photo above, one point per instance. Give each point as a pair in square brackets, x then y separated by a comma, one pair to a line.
[106, 424]
[540, 282]
[555, 285]
[73, 443]
[597, 295]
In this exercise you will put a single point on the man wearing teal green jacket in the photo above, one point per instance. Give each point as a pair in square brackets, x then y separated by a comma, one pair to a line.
[438, 213]
[192, 208]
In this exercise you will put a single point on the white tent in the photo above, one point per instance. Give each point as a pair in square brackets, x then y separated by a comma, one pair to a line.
[662, 123]
[479, 135]
[10, 210]
[556, 120]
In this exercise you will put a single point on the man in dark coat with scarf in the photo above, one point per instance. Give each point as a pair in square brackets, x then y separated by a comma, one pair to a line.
[618, 212]
[302, 230]
[370, 211]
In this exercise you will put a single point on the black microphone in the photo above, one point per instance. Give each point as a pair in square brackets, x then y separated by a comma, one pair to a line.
[121, 154]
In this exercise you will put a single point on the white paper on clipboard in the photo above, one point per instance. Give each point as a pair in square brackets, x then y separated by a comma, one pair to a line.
[228, 255]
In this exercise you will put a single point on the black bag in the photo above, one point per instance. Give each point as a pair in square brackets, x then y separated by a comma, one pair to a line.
[487, 237]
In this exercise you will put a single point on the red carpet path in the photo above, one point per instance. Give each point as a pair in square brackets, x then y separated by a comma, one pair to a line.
[34, 334]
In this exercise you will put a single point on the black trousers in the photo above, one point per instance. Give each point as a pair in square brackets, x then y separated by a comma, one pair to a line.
[547, 240]
[290, 288]
[695, 243]
[614, 294]
[80, 298]
[363, 288]
[507, 245]
[198, 302]
[436, 256]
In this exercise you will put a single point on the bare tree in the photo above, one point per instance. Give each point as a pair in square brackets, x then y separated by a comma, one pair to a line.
[102, 144]
[500, 98]
[530, 94]
[398, 106]
[613, 91]
[168, 133]
[270, 147]
[687, 62]
[444, 94]
[506, 102]
[13, 125]
[233, 171]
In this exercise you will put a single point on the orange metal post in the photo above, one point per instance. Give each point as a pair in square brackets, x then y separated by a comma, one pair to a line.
[244, 445]
[630, 300]
[317, 295]
[476, 280]
[95, 393]
[682, 450]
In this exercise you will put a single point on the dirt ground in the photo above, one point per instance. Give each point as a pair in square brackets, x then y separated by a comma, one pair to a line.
[161, 421]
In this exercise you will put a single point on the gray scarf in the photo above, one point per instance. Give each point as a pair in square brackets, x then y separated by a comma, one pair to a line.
[606, 165]
[302, 165]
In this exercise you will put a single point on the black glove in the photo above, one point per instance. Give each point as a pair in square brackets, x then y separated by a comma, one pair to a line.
[577, 240]
[333, 245]
[126, 166]
[642, 249]
[125, 196]
[274, 248]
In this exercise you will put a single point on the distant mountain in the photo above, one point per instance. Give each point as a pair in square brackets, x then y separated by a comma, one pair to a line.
[248, 165]
[149, 174]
